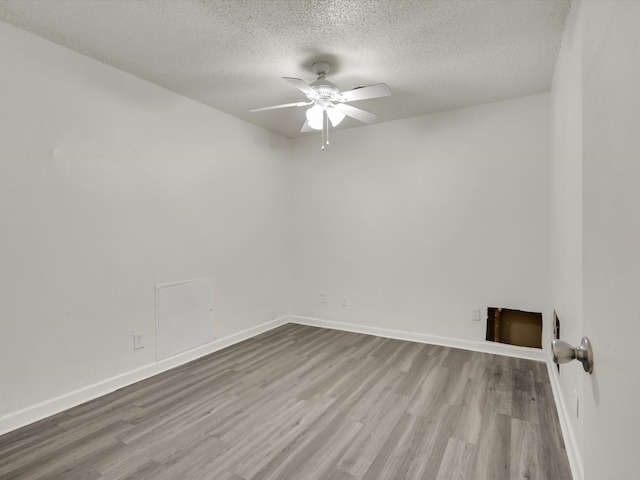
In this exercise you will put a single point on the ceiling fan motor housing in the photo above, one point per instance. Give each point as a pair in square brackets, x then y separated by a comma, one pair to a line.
[326, 89]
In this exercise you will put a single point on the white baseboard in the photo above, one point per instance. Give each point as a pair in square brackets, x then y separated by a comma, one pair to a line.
[577, 468]
[33, 413]
[486, 347]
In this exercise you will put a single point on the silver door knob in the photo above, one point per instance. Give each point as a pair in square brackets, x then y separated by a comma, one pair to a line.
[563, 353]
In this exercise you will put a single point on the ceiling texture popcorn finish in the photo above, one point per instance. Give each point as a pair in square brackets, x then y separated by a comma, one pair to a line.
[435, 55]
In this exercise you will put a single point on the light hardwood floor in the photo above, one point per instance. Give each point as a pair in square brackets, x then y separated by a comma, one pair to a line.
[306, 403]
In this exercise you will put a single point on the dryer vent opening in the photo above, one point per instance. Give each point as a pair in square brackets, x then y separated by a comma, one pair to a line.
[514, 327]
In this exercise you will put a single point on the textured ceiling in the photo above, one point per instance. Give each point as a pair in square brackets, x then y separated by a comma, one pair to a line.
[435, 55]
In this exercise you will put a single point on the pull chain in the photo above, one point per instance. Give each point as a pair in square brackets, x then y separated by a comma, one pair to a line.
[327, 118]
[324, 139]
[324, 115]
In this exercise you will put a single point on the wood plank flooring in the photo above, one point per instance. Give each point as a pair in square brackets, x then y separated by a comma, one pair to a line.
[307, 403]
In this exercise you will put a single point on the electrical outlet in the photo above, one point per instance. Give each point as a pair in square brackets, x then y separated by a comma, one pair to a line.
[138, 340]
[344, 301]
[475, 315]
[323, 297]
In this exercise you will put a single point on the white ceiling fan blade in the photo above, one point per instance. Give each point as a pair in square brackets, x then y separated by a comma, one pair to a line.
[357, 113]
[301, 85]
[363, 93]
[306, 127]
[284, 105]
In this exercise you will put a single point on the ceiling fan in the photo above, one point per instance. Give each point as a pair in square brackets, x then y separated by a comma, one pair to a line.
[327, 103]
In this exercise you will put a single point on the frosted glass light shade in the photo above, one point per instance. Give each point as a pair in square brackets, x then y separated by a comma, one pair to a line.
[335, 115]
[315, 117]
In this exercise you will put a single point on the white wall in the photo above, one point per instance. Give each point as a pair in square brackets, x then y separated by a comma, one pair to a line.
[566, 215]
[596, 227]
[110, 185]
[611, 224]
[419, 221]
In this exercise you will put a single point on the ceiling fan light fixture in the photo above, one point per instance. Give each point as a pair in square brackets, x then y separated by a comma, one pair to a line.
[324, 96]
[315, 117]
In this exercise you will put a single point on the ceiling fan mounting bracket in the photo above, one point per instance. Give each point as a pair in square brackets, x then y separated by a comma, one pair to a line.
[321, 68]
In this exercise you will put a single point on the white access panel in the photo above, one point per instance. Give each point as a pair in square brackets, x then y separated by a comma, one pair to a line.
[184, 316]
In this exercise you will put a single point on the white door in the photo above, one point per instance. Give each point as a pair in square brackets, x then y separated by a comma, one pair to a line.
[611, 237]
